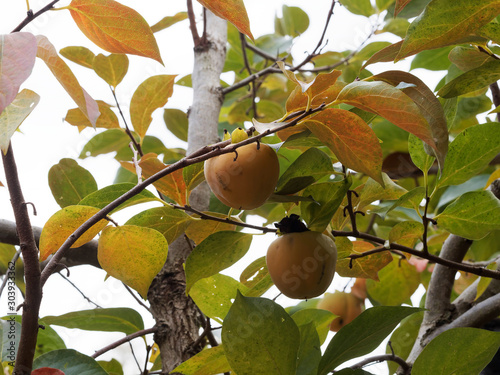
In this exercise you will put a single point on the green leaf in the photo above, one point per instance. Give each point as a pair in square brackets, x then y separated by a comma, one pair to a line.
[193, 175]
[294, 22]
[168, 21]
[436, 59]
[360, 7]
[398, 282]
[79, 55]
[468, 58]
[166, 220]
[490, 31]
[403, 338]
[112, 367]
[217, 252]
[406, 233]
[419, 157]
[472, 216]
[450, 352]
[352, 141]
[48, 340]
[309, 353]
[70, 362]
[373, 191]
[307, 169]
[472, 80]
[259, 337]
[256, 277]
[209, 361]
[177, 122]
[362, 335]
[120, 319]
[105, 142]
[70, 183]
[412, 199]
[470, 152]
[327, 199]
[396, 26]
[383, 4]
[14, 114]
[101, 198]
[350, 371]
[444, 22]
[214, 295]
[320, 319]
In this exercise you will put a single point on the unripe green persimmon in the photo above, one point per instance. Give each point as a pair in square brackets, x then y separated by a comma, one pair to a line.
[302, 264]
[345, 305]
[247, 182]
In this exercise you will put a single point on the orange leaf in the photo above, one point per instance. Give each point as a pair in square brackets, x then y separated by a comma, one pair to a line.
[297, 100]
[17, 58]
[426, 101]
[172, 185]
[67, 79]
[107, 119]
[152, 94]
[365, 267]
[133, 255]
[114, 27]
[231, 10]
[391, 103]
[352, 141]
[63, 223]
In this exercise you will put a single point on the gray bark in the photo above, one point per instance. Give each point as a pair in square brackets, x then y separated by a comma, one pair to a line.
[177, 318]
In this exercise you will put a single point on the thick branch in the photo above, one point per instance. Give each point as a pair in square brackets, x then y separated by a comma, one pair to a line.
[31, 306]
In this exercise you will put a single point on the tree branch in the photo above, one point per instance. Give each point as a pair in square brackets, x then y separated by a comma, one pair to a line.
[32, 16]
[123, 341]
[31, 306]
[383, 358]
[226, 220]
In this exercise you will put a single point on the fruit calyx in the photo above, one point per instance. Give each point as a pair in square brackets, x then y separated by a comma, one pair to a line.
[291, 224]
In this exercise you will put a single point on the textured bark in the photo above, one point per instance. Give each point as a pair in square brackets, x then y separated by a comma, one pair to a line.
[177, 318]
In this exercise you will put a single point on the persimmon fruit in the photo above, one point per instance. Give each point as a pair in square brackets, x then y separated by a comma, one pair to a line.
[359, 289]
[243, 180]
[302, 264]
[345, 305]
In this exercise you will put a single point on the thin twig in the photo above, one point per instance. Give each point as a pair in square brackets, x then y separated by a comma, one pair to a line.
[433, 258]
[136, 298]
[226, 220]
[127, 338]
[127, 129]
[31, 16]
[383, 358]
[320, 42]
[249, 69]
[79, 291]
[192, 23]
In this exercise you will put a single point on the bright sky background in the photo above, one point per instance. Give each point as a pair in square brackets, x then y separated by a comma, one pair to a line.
[46, 138]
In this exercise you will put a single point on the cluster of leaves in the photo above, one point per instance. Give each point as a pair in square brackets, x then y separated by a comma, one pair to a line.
[377, 144]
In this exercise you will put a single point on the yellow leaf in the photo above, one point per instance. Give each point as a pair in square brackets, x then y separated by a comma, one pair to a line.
[198, 230]
[63, 223]
[133, 255]
[114, 27]
[79, 55]
[111, 68]
[152, 94]
[107, 119]
[67, 79]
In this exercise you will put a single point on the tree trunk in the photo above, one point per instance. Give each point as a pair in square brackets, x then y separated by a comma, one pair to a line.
[177, 317]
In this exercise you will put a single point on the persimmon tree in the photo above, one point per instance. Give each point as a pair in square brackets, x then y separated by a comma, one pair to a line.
[402, 176]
